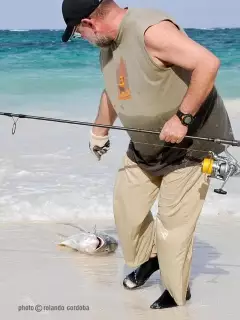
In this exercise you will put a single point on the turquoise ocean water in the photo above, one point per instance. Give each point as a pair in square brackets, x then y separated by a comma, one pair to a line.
[38, 72]
[46, 170]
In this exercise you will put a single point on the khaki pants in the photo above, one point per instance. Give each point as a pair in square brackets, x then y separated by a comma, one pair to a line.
[170, 236]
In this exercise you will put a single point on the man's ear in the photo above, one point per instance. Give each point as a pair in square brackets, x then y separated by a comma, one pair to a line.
[88, 23]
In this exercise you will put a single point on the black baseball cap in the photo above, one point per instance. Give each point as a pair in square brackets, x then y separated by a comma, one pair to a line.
[74, 11]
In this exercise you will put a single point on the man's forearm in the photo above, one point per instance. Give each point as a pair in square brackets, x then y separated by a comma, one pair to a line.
[202, 82]
[106, 115]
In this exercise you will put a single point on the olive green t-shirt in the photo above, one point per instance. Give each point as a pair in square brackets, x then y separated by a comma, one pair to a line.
[146, 95]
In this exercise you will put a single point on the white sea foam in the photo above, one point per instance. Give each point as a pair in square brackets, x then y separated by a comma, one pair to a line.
[19, 30]
[47, 172]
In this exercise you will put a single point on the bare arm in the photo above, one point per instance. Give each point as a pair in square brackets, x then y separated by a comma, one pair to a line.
[169, 45]
[106, 115]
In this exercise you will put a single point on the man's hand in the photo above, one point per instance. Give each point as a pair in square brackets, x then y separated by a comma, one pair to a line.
[173, 131]
[99, 145]
[99, 139]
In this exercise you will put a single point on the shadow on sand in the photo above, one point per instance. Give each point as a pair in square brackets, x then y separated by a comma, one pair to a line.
[203, 262]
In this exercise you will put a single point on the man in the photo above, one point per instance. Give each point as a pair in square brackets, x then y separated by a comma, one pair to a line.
[156, 78]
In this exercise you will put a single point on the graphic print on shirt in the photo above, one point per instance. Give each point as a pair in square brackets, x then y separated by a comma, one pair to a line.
[124, 92]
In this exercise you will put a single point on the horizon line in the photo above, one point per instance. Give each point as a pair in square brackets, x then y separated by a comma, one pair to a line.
[62, 29]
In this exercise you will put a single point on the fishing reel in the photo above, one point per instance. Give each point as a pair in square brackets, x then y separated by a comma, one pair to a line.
[221, 168]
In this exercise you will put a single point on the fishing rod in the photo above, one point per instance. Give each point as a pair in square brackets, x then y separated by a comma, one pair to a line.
[215, 166]
[22, 116]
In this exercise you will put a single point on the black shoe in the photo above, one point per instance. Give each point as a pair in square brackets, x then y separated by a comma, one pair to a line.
[167, 301]
[139, 276]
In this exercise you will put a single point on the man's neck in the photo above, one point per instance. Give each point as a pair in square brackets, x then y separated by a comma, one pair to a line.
[115, 20]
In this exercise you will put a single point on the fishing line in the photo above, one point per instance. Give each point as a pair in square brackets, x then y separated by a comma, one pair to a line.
[172, 147]
[14, 125]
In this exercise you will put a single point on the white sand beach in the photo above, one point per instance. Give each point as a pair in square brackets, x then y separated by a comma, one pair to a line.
[36, 271]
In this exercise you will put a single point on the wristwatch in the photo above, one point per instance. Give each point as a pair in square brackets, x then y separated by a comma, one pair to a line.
[185, 118]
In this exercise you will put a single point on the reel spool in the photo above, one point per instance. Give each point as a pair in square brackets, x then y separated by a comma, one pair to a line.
[221, 168]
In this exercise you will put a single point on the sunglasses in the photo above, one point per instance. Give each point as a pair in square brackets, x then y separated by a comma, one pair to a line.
[75, 34]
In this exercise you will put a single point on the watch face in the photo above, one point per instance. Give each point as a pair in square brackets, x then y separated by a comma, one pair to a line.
[187, 119]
